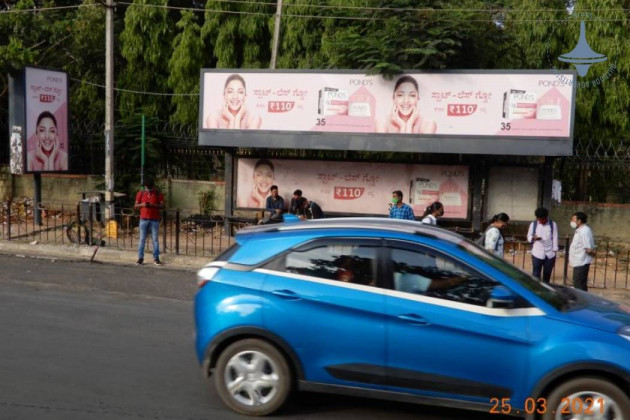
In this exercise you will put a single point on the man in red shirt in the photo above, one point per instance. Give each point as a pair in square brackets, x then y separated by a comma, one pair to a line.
[150, 201]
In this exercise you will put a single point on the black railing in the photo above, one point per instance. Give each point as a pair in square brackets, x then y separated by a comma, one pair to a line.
[206, 236]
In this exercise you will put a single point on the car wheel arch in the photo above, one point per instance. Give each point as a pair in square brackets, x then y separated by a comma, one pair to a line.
[597, 370]
[226, 338]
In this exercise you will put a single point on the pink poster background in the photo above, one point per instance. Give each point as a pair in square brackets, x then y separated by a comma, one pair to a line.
[360, 187]
[46, 90]
[467, 104]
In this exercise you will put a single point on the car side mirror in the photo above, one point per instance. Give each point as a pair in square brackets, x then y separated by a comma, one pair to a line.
[501, 297]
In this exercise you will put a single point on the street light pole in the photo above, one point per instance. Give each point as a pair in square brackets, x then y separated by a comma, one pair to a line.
[276, 35]
[109, 108]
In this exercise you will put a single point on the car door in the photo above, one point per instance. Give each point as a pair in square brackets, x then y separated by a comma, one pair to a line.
[442, 339]
[323, 299]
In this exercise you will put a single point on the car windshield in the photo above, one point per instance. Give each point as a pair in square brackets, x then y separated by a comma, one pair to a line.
[546, 292]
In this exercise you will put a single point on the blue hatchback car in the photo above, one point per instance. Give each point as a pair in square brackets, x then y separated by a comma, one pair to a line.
[399, 310]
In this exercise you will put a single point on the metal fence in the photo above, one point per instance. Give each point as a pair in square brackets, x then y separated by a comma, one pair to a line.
[206, 236]
[84, 224]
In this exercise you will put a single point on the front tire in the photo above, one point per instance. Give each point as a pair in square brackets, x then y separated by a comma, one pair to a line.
[252, 377]
[600, 399]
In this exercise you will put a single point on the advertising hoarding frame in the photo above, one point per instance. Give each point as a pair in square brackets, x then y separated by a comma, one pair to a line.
[406, 188]
[28, 121]
[453, 144]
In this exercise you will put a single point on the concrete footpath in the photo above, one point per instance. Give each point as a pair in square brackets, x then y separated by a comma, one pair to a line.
[187, 263]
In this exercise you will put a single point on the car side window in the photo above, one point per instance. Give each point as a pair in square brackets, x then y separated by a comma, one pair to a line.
[430, 274]
[342, 262]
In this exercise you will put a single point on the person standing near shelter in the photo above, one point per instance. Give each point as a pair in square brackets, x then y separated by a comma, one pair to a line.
[543, 235]
[400, 210]
[432, 212]
[493, 240]
[150, 201]
[581, 251]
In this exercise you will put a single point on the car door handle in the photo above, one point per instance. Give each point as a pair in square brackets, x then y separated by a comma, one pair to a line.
[413, 319]
[286, 294]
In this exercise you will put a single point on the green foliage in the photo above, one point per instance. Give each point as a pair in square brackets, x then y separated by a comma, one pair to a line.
[146, 46]
[184, 67]
[240, 39]
[128, 151]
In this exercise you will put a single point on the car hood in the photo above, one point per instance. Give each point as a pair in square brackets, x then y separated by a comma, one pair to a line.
[596, 312]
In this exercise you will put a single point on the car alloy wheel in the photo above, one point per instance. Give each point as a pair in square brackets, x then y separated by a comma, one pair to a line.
[587, 399]
[252, 377]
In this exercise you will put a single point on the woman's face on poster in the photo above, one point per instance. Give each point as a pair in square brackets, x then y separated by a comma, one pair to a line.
[47, 134]
[406, 98]
[234, 94]
[263, 178]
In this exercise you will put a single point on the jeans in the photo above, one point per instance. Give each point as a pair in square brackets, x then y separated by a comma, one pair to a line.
[546, 266]
[580, 277]
[154, 225]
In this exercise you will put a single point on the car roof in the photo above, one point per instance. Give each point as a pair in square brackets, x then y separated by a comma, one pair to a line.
[360, 223]
[259, 243]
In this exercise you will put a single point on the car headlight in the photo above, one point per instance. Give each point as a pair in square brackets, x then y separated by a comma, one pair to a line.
[624, 332]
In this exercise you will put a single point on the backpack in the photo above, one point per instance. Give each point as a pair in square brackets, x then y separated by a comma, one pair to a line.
[481, 241]
[535, 222]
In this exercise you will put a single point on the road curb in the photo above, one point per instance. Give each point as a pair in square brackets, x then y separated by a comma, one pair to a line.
[103, 254]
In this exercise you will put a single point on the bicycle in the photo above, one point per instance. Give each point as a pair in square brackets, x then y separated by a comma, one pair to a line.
[87, 224]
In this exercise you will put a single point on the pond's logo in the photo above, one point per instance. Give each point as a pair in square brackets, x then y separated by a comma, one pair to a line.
[583, 57]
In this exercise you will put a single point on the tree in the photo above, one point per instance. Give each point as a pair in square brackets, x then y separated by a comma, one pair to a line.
[184, 67]
[146, 46]
[238, 34]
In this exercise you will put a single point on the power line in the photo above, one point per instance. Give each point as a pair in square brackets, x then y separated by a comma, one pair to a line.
[366, 18]
[139, 92]
[339, 7]
[46, 9]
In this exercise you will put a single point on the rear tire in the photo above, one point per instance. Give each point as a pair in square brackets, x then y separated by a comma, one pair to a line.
[608, 401]
[72, 232]
[252, 377]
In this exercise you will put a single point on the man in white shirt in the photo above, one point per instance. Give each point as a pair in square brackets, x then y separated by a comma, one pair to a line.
[543, 235]
[581, 251]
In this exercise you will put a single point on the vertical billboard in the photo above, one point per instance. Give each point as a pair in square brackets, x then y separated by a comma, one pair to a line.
[444, 112]
[354, 187]
[47, 136]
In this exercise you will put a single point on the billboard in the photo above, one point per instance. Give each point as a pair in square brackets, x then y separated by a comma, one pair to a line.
[448, 112]
[46, 102]
[354, 187]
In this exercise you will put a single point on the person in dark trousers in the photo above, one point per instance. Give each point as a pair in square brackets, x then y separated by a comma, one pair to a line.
[400, 210]
[581, 251]
[543, 235]
[295, 203]
[150, 201]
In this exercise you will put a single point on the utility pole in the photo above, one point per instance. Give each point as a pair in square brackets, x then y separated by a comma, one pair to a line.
[276, 35]
[109, 109]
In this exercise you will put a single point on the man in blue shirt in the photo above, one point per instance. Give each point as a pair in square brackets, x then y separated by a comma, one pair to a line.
[275, 205]
[399, 209]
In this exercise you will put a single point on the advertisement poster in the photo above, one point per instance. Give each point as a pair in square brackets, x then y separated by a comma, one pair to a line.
[535, 105]
[46, 120]
[354, 187]
[16, 154]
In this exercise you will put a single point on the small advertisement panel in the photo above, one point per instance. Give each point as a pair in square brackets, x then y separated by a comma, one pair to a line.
[354, 187]
[47, 138]
[467, 104]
